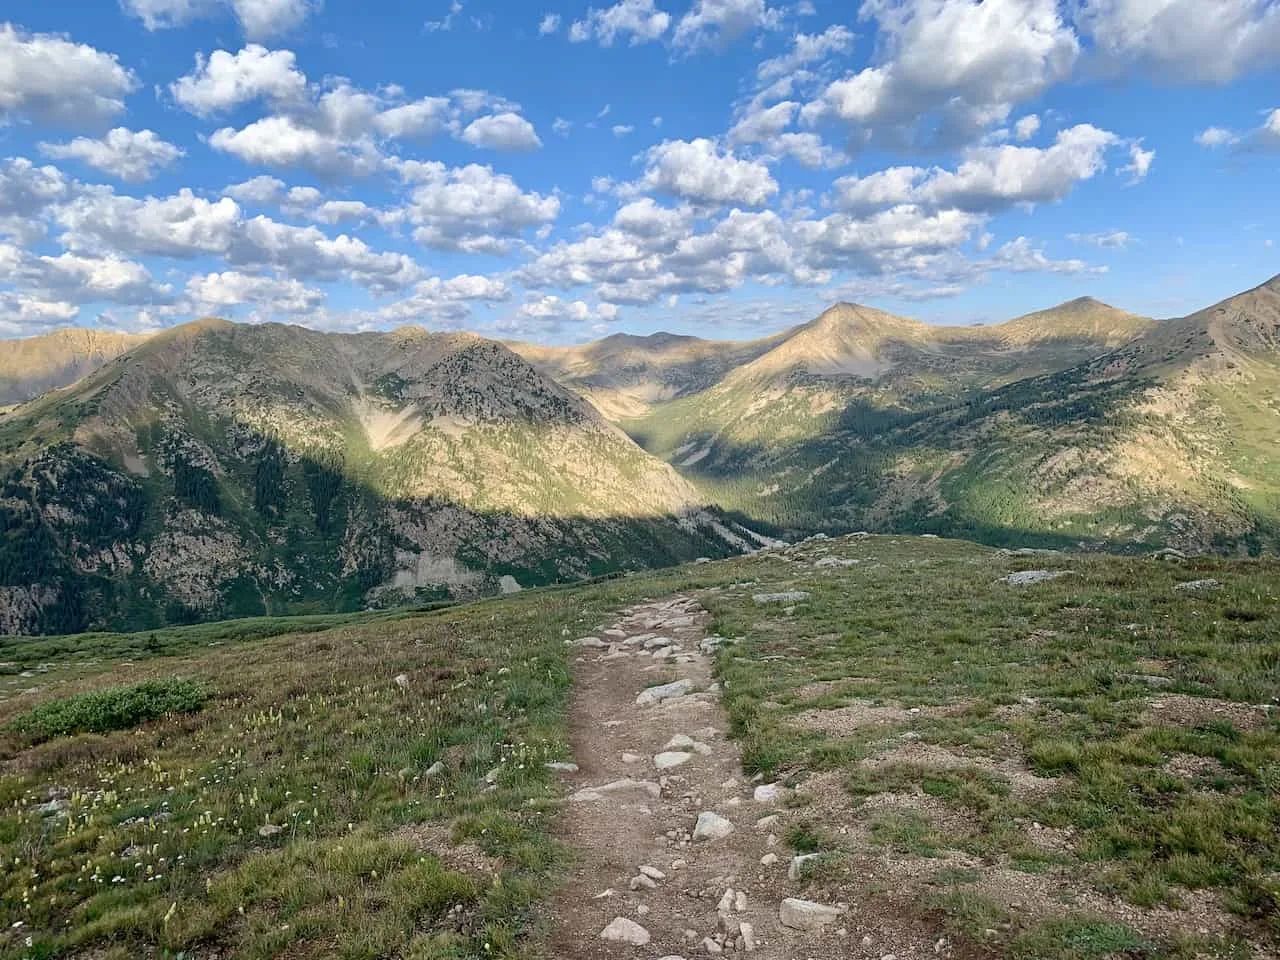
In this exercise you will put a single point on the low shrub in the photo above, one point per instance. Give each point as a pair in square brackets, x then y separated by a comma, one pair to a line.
[118, 708]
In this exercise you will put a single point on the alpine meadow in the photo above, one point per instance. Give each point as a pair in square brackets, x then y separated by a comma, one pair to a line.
[773, 479]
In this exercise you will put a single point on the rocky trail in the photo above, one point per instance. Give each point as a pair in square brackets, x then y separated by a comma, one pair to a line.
[679, 855]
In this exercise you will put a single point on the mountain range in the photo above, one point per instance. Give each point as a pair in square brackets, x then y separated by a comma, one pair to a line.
[218, 469]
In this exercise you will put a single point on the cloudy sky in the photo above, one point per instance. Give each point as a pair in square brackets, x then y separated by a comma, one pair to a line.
[561, 171]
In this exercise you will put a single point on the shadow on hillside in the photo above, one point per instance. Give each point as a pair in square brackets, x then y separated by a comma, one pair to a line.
[271, 531]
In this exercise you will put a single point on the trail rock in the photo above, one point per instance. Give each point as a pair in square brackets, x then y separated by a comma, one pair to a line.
[666, 761]
[711, 826]
[622, 930]
[1195, 586]
[666, 691]
[1026, 578]
[561, 767]
[807, 915]
[769, 793]
[786, 596]
[589, 794]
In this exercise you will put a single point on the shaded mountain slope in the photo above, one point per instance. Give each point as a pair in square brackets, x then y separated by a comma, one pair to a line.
[220, 469]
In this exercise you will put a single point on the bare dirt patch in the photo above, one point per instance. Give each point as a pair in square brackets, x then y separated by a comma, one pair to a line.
[1186, 711]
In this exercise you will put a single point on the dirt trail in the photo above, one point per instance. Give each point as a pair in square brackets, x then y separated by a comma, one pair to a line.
[625, 814]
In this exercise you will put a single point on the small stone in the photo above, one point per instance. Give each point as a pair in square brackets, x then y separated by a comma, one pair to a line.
[710, 946]
[269, 830]
[726, 902]
[642, 882]
[561, 767]
[680, 741]
[631, 758]
[592, 642]
[435, 770]
[653, 873]
[674, 758]
[769, 793]
[402, 681]
[740, 902]
[769, 859]
[806, 914]
[767, 823]
[711, 826]
[679, 864]
[622, 930]
[748, 934]
[642, 909]
[1194, 586]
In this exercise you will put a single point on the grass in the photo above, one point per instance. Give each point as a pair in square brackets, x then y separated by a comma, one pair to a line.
[117, 708]
[292, 814]
[1042, 697]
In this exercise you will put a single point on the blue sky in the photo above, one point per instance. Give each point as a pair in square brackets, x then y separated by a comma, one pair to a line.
[564, 171]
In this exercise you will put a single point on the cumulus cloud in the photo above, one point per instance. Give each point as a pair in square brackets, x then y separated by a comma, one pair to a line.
[130, 155]
[26, 194]
[806, 49]
[719, 22]
[548, 313]
[50, 79]
[281, 141]
[471, 208]
[1184, 41]
[965, 63]
[224, 80]
[258, 19]
[549, 24]
[637, 21]
[435, 300]
[700, 171]
[1026, 127]
[215, 292]
[988, 179]
[502, 131]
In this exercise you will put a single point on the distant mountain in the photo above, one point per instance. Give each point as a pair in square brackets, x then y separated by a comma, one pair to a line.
[219, 469]
[625, 375]
[32, 366]
[1082, 424]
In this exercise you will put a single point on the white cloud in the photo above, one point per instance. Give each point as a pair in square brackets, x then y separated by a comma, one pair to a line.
[1265, 137]
[75, 279]
[446, 22]
[1186, 41]
[183, 226]
[988, 179]
[965, 63]
[1019, 256]
[1026, 127]
[258, 18]
[548, 312]
[1215, 137]
[26, 194]
[502, 131]
[700, 171]
[1139, 163]
[214, 292]
[471, 208]
[437, 300]
[1109, 240]
[719, 22]
[50, 79]
[637, 20]
[225, 80]
[549, 24]
[561, 127]
[261, 190]
[421, 118]
[806, 48]
[280, 141]
[130, 155]
[622, 129]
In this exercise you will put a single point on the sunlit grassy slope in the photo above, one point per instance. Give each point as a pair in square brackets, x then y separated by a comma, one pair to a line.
[290, 812]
